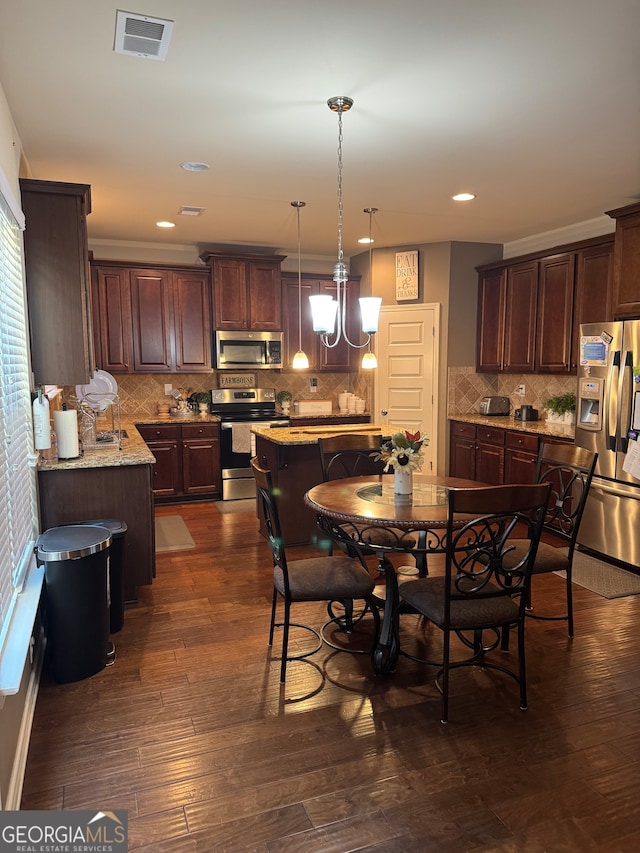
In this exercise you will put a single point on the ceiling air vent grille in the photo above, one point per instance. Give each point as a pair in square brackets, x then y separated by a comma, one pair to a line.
[190, 211]
[139, 35]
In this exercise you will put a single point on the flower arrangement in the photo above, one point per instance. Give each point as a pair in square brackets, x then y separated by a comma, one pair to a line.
[402, 452]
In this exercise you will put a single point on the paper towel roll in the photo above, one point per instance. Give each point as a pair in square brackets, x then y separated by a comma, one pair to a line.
[66, 426]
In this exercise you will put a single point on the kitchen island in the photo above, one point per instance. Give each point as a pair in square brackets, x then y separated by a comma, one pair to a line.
[292, 456]
[107, 483]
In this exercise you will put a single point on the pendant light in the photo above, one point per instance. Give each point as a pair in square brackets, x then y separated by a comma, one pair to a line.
[329, 315]
[300, 360]
[369, 360]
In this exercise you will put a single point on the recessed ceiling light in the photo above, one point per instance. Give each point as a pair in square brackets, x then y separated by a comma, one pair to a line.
[165, 224]
[463, 197]
[194, 166]
[366, 240]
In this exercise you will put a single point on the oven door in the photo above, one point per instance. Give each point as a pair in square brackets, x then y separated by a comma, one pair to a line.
[237, 446]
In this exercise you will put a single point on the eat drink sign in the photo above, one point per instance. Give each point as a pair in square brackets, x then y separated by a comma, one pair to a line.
[406, 275]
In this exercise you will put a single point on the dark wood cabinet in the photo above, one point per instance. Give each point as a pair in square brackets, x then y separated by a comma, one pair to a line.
[593, 291]
[246, 290]
[626, 262]
[521, 292]
[507, 319]
[154, 319]
[489, 465]
[122, 492]
[530, 309]
[151, 316]
[201, 473]
[57, 281]
[187, 460]
[491, 298]
[462, 450]
[555, 313]
[520, 457]
[338, 359]
[494, 455]
[112, 329]
[163, 441]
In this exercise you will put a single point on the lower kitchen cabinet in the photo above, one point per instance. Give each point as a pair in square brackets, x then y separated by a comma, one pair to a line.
[187, 460]
[85, 494]
[494, 455]
[490, 455]
[520, 457]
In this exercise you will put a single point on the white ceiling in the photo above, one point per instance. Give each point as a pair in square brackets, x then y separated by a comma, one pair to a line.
[532, 106]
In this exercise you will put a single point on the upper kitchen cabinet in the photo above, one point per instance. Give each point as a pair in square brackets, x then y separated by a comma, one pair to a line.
[530, 309]
[247, 291]
[520, 318]
[338, 359]
[555, 313]
[626, 262]
[152, 319]
[593, 290]
[491, 297]
[507, 318]
[57, 281]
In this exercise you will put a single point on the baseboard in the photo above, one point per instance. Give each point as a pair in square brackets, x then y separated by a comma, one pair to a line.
[16, 782]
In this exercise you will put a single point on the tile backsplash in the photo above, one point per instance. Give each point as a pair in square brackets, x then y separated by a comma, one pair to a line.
[140, 393]
[466, 388]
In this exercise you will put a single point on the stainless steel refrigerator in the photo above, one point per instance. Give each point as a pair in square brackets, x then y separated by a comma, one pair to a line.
[608, 421]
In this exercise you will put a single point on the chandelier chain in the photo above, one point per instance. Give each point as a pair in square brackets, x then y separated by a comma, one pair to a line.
[340, 253]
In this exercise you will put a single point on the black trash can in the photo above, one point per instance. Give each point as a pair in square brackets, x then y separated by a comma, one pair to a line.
[76, 594]
[116, 569]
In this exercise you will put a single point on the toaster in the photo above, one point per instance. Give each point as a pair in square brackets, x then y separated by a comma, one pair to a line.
[495, 406]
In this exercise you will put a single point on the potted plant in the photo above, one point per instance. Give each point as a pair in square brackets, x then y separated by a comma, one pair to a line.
[284, 398]
[202, 398]
[561, 408]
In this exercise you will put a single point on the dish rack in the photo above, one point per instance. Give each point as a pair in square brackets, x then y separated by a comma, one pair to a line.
[94, 438]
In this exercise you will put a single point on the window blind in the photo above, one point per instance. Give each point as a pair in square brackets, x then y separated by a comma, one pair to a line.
[18, 516]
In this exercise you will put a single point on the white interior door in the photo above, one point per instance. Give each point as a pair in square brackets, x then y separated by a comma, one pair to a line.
[406, 392]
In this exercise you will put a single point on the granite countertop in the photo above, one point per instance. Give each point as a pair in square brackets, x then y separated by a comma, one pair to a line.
[134, 450]
[311, 434]
[541, 427]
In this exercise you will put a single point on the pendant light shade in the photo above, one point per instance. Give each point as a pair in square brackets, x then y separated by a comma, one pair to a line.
[370, 310]
[300, 360]
[329, 316]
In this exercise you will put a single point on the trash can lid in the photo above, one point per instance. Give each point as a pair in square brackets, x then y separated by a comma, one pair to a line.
[116, 525]
[71, 542]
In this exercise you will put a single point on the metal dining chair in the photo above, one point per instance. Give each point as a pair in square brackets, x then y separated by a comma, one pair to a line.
[481, 592]
[323, 578]
[569, 469]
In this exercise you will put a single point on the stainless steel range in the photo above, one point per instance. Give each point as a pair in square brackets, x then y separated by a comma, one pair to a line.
[240, 409]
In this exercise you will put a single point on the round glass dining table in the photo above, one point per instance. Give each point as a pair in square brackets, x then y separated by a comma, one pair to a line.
[352, 508]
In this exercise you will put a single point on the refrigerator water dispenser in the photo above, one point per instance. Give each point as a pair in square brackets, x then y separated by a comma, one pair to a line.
[590, 393]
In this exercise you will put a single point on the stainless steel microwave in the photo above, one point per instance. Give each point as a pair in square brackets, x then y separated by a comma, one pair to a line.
[248, 350]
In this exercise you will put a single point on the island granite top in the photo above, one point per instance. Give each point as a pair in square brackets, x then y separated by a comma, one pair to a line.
[310, 434]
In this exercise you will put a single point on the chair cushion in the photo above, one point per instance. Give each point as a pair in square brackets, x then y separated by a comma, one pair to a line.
[426, 595]
[320, 578]
[548, 558]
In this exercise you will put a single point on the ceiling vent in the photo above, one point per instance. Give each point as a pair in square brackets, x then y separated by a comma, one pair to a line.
[190, 211]
[139, 35]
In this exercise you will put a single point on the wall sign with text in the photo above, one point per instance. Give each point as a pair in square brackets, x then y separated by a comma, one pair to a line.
[406, 275]
[237, 380]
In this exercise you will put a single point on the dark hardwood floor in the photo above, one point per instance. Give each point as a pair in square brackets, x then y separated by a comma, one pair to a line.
[191, 732]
